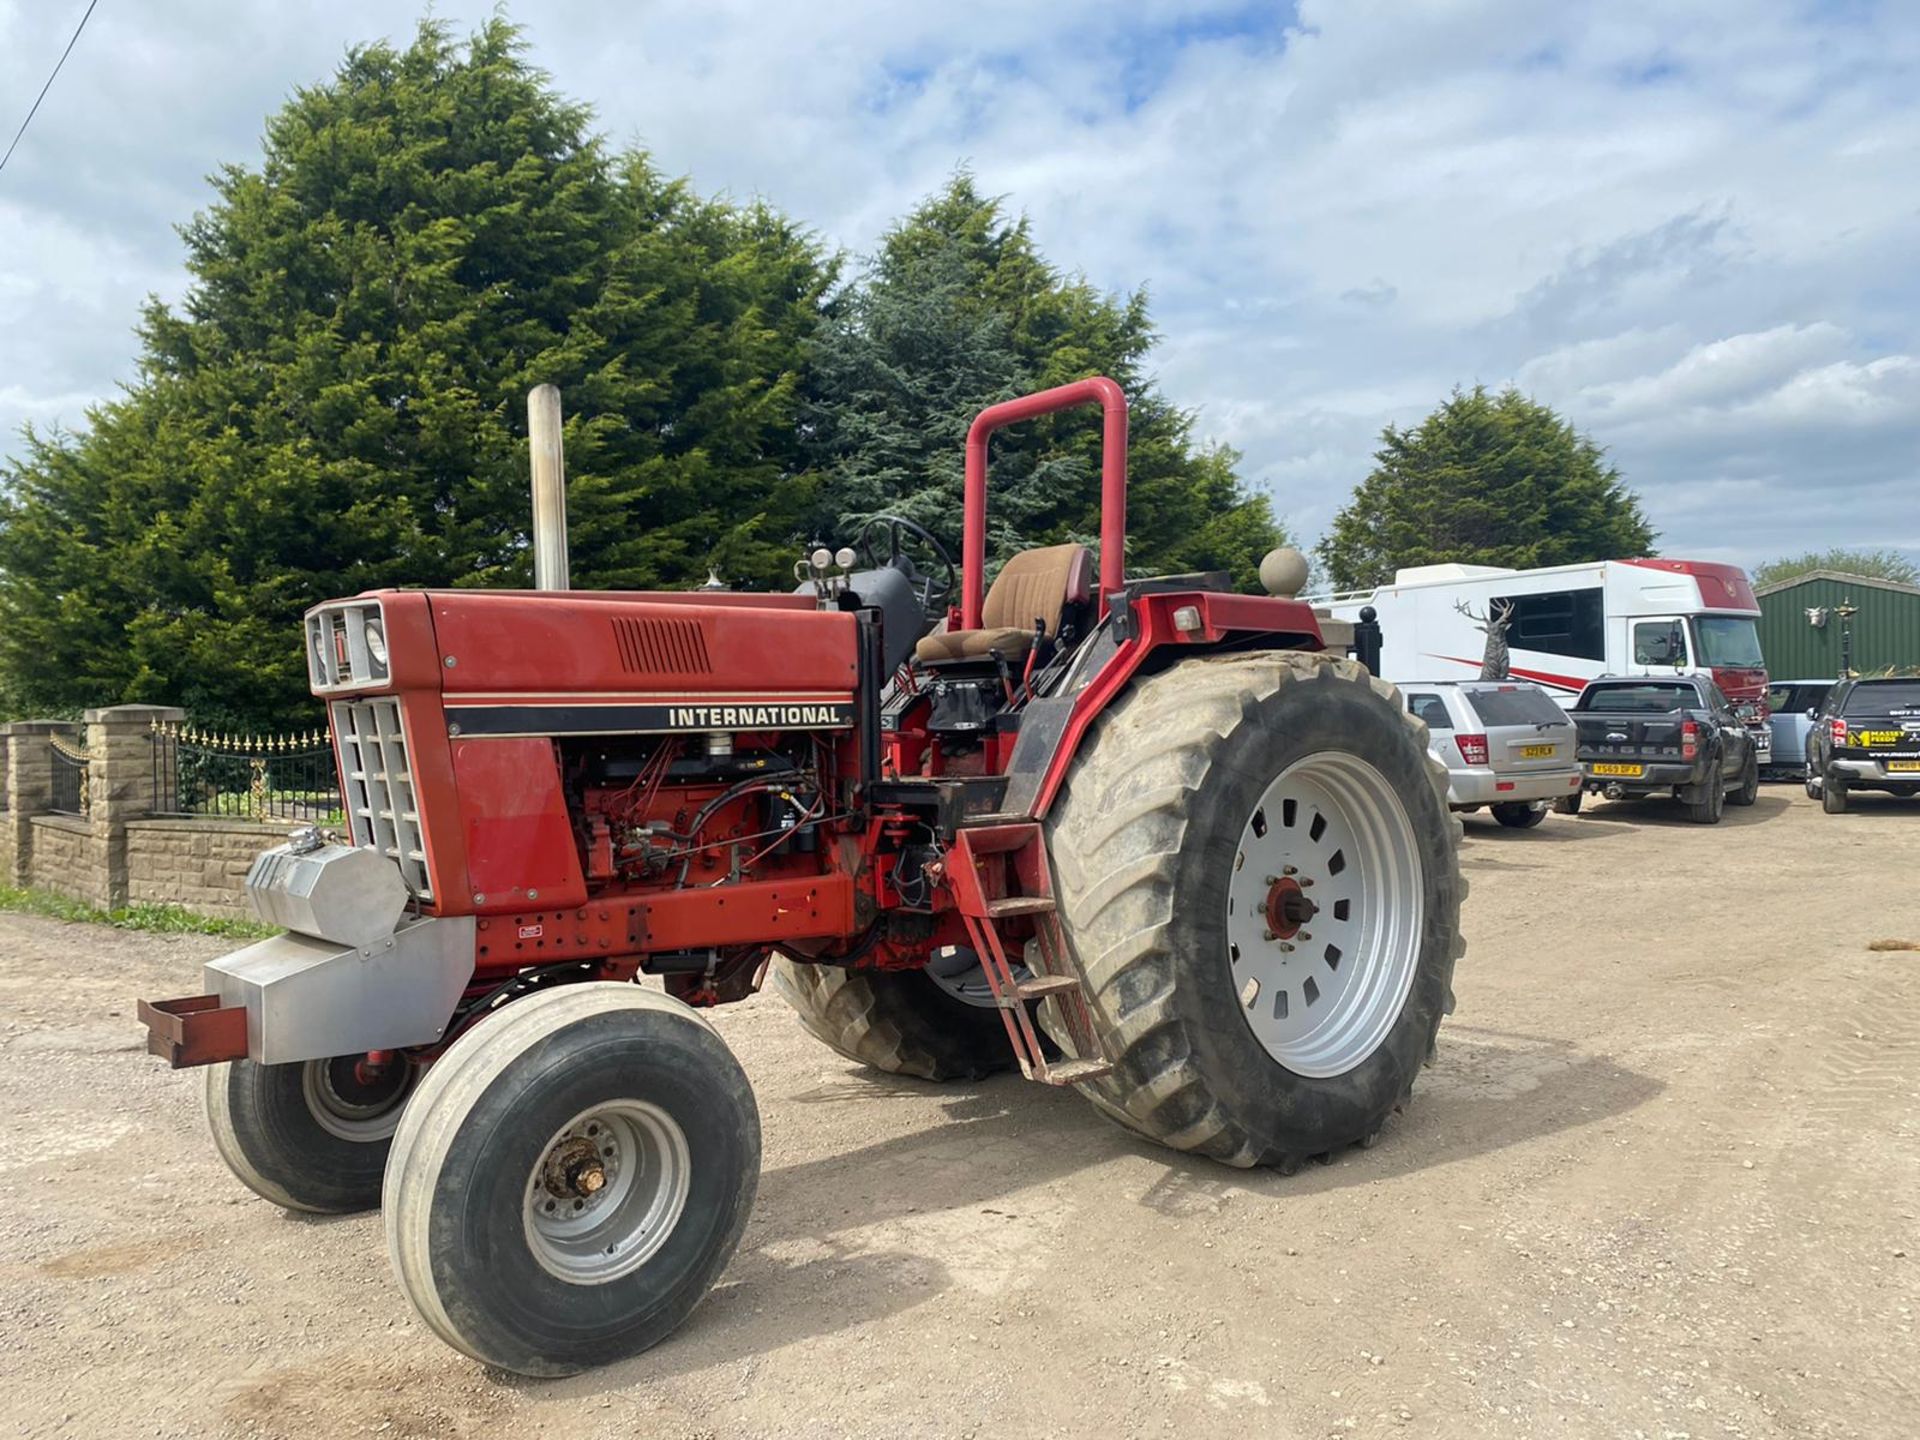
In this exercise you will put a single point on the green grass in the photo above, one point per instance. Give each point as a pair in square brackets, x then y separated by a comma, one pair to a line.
[161, 919]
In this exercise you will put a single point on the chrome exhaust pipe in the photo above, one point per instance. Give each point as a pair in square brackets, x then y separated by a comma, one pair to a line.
[549, 489]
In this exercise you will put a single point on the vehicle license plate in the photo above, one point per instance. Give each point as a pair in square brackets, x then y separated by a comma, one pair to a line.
[1618, 769]
[1537, 752]
[1904, 766]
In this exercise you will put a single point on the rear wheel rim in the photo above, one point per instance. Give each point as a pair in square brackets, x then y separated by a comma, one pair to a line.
[607, 1191]
[1325, 914]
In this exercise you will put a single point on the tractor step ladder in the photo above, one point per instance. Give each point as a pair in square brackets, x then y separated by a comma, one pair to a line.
[1052, 974]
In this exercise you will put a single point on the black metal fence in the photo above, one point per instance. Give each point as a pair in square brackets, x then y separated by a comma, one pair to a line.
[70, 789]
[269, 777]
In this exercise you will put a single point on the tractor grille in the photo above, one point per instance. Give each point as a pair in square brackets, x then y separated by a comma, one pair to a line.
[376, 786]
[656, 646]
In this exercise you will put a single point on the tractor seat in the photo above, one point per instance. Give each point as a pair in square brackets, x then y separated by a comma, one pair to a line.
[1033, 586]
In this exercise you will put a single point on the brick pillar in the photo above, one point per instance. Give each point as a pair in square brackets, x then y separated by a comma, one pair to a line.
[121, 787]
[30, 784]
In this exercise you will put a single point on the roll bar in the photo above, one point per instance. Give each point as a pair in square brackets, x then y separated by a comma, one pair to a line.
[1112, 401]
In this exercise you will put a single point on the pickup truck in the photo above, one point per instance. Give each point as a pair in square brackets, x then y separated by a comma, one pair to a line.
[1865, 737]
[1639, 735]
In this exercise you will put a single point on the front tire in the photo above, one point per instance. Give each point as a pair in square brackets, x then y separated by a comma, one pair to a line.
[1192, 788]
[312, 1135]
[571, 1178]
[1519, 816]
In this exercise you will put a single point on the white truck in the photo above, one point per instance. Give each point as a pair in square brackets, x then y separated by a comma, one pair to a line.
[1571, 623]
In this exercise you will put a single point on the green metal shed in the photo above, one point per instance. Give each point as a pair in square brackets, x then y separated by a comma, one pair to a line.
[1800, 631]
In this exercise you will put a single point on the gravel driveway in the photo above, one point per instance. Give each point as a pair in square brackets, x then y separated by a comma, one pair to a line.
[1662, 1181]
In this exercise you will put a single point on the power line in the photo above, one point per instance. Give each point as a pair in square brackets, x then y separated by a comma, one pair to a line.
[49, 85]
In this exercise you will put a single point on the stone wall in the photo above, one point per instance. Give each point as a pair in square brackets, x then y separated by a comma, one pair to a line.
[64, 857]
[196, 863]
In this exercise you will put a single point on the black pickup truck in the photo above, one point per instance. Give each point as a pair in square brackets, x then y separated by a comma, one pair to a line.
[1640, 735]
[1866, 737]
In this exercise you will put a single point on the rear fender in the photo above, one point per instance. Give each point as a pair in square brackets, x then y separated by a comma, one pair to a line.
[1154, 626]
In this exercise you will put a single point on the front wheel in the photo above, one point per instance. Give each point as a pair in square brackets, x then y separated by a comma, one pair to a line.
[1519, 816]
[311, 1135]
[1258, 873]
[571, 1178]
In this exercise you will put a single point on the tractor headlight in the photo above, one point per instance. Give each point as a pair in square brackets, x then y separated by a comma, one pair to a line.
[377, 643]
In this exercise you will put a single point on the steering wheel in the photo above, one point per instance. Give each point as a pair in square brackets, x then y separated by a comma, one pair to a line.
[934, 588]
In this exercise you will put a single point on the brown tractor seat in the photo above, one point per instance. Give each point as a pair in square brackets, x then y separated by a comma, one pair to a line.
[1033, 587]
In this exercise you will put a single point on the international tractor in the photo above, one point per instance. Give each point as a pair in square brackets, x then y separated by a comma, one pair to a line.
[1149, 838]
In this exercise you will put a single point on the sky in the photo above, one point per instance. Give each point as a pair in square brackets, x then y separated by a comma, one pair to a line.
[1691, 228]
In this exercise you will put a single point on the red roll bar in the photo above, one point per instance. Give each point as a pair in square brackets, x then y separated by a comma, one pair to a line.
[1113, 484]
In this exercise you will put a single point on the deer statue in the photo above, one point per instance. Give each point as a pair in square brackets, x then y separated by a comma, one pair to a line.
[1493, 660]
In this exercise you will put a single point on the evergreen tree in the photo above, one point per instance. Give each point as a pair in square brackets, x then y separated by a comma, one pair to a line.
[340, 401]
[958, 310]
[1484, 480]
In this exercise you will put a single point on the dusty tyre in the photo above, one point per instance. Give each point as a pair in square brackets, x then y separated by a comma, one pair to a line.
[310, 1135]
[1833, 798]
[1567, 804]
[1748, 791]
[899, 1021]
[571, 1178]
[1707, 809]
[1518, 816]
[1259, 875]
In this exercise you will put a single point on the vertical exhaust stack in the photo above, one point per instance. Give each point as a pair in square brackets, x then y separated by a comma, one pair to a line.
[549, 489]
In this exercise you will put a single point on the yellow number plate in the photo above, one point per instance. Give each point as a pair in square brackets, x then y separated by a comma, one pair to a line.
[1619, 769]
[1537, 752]
[1904, 765]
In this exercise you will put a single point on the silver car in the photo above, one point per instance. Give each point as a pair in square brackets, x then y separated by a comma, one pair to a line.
[1505, 744]
[1793, 703]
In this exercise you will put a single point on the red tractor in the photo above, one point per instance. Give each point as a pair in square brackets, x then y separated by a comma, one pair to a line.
[1144, 837]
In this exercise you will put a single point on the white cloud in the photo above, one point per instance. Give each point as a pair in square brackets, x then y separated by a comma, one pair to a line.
[1695, 238]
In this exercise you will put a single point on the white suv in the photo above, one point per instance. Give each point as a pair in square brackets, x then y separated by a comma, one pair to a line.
[1505, 744]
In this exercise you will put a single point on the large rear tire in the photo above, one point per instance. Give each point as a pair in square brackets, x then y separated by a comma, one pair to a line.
[1265, 1031]
[310, 1135]
[571, 1178]
[899, 1021]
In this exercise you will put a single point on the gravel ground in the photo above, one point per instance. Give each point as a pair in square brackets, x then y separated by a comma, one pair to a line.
[1661, 1181]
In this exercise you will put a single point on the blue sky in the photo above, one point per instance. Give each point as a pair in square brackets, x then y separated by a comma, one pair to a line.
[1692, 228]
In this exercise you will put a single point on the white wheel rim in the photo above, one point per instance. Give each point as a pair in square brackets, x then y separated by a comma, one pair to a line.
[607, 1191]
[1328, 853]
[348, 1111]
[964, 978]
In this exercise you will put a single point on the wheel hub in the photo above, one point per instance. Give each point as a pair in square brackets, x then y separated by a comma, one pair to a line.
[607, 1191]
[1288, 907]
